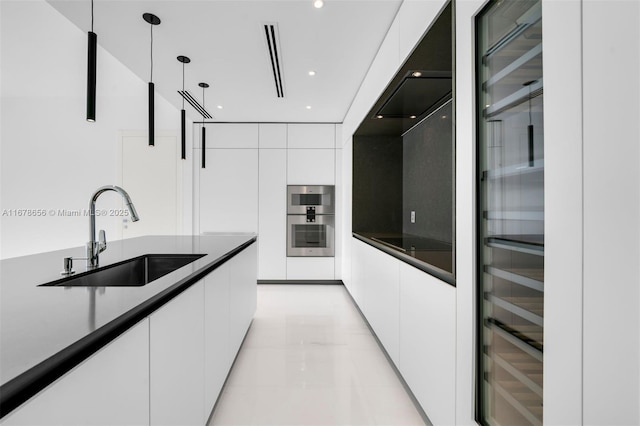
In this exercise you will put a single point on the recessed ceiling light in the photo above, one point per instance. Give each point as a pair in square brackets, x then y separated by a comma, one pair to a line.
[312, 73]
[444, 116]
[318, 4]
[308, 106]
[412, 116]
[379, 116]
[416, 74]
[219, 106]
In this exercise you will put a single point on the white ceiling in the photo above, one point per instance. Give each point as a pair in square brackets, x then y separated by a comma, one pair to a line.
[225, 42]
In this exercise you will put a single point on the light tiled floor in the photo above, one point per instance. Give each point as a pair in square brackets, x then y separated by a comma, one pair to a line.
[309, 359]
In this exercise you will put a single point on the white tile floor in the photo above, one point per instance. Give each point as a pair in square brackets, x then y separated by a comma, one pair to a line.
[309, 359]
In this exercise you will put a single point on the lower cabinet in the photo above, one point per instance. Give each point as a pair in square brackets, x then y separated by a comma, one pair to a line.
[428, 342]
[109, 388]
[413, 314]
[168, 369]
[176, 356]
[217, 351]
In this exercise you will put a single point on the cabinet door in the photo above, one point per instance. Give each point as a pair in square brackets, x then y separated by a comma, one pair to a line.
[177, 360]
[311, 166]
[232, 135]
[427, 342]
[272, 135]
[311, 136]
[272, 225]
[310, 268]
[109, 388]
[217, 358]
[381, 294]
[242, 295]
[228, 191]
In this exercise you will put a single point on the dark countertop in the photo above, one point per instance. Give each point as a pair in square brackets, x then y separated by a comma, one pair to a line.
[54, 328]
[431, 256]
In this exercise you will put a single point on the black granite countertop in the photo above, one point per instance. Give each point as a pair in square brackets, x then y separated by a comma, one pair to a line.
[45, 331]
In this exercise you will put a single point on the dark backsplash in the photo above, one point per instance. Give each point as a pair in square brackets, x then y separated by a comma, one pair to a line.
[377, 184]
[427, 177]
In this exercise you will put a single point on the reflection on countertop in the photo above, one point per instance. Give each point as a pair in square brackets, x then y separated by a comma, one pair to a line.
[432, 256]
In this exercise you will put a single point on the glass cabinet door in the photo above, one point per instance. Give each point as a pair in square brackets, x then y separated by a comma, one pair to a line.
[511, 213]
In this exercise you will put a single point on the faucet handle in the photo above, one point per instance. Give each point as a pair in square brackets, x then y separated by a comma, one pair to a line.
[102, 241]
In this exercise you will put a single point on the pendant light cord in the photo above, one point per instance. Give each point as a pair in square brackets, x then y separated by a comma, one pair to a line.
[91, 15]
[151, 80]
[183, 84]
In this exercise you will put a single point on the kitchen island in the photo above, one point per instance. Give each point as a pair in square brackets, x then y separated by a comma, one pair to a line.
[48, 331]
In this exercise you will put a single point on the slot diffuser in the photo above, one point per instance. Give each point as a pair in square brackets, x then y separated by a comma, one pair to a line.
[273, 46]
[194, 103]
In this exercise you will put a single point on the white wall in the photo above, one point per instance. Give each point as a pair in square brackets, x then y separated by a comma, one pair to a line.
[51, 157]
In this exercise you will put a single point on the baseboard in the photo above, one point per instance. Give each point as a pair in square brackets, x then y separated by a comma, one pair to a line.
[302, 282]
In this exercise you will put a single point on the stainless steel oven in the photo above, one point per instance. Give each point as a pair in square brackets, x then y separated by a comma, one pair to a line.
[317, 198]
[310, 220]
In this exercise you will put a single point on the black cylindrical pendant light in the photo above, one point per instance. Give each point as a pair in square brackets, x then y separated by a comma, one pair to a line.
[204, 146]
[92, 56]
[204, 139]
[183, 115]
[530, 128]
[152, 20]
[152, 107]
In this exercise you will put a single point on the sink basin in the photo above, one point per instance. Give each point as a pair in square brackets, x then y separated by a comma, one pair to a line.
[134, 272]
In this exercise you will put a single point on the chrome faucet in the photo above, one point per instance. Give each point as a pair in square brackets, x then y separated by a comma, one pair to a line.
[94, 248]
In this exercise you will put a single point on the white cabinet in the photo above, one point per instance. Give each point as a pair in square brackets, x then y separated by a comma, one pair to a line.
[228, 191]
[311, 136]
[177, 360]
[217, 357]
[242, 295]
[109, 388]
[272, 218]
[414, 316]
[311, 166]
[232, 135]
[310, 268]
[427, 342]
[272, 135]
[380, 291]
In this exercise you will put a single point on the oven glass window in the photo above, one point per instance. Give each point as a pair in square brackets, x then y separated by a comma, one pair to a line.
[306, 199]
[310, 235]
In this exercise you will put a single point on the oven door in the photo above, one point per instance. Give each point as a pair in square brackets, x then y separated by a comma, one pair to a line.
[320, 198]
[306, 238]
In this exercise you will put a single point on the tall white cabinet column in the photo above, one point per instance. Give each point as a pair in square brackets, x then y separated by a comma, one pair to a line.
[311, 161]
[243, 187]
[272, 209]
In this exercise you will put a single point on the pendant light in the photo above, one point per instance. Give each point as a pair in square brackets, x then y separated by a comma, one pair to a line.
[91, 71]
[204, 139]
[152, 20]
[530, 126]
[183, 119]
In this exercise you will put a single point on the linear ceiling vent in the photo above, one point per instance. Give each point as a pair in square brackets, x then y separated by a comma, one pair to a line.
[195, 104]
[274, 51]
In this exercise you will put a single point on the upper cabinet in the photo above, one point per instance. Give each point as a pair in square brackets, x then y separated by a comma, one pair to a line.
[232, 135]
[311, 136]
[272, 135]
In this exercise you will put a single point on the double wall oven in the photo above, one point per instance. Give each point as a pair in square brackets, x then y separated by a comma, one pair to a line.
[310, 220]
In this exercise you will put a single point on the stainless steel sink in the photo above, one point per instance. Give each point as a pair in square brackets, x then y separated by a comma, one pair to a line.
[134, 272]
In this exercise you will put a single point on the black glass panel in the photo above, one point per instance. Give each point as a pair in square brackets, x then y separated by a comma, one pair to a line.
[309, 235]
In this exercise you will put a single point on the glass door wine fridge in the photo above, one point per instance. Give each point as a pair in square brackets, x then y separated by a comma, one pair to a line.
[510, 213]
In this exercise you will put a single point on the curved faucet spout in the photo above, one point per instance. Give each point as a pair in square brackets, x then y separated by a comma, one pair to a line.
[94, 248]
